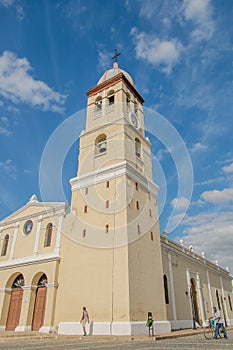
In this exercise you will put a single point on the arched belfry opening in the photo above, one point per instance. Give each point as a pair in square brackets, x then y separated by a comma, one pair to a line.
[101, 144]
[40, 303]
[15, 304]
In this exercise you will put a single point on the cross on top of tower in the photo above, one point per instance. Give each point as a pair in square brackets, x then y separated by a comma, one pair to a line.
[115, 55]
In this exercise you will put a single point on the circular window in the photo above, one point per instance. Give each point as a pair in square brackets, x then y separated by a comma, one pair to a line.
[27, 227]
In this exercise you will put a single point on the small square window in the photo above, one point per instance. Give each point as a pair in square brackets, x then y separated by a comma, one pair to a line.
[85, 209]
[107, 184]
[106, 228]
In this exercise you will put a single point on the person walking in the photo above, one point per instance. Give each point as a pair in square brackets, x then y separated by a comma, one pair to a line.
[84, 320]
[217, 317]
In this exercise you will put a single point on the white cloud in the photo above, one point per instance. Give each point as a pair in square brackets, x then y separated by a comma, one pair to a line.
[104, 58]
[228, 168]
[197, 147]
[162, 153]
[17, 5]
[200, 13]
[212, 234]
[5, 121]
[164, 54]
[219, 179]
[218, 197]
[8, 168]
[180, 203]
[4, 129]
[6, 3]
[19, 86]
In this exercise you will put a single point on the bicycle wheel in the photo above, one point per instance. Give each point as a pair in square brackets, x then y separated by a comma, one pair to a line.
[208, 333]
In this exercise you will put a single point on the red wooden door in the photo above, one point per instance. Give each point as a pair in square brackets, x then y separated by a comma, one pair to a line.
[39, 308]
[14, 309]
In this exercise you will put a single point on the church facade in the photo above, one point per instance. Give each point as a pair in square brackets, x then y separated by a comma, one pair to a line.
[106, 252]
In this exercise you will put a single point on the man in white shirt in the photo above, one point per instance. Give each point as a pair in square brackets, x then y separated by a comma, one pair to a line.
[217, 317]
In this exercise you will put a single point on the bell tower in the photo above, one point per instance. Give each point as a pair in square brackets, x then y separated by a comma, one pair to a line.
[115, 199]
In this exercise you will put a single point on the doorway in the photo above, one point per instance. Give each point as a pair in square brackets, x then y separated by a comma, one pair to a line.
[40, 303]
[193, 294]
[15, 303]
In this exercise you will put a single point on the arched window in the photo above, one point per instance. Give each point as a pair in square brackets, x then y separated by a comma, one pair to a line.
[165, 289]
[100, 144]
[48, 235]
[43, 280]
[98, 104]
[218, 301]
[111, 97]
[138, 147]
[18, 282]
[5, 245]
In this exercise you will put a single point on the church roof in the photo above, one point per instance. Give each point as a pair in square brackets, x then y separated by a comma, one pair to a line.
[110, 73]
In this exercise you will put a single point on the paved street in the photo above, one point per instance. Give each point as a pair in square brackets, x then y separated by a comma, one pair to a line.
[196, 342]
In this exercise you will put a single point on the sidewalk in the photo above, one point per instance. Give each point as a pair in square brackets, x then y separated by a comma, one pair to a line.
[12, 336]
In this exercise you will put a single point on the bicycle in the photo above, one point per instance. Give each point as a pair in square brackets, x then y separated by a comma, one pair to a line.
[209, 330]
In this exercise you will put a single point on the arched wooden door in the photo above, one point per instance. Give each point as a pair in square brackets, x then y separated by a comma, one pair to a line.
[194, 302]
[15, 304]
[40, 302]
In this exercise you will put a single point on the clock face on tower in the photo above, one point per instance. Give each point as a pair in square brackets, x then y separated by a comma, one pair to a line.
[134, 120]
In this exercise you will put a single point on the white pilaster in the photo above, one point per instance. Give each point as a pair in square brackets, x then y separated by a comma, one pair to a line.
[14, 241]
[189, 287]
[58, 238]
[172, 287]
[37, 239]
[224, 298]
[200, 297]
[209, 289]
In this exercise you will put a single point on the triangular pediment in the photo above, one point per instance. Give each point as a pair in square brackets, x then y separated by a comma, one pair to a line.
[34, 208]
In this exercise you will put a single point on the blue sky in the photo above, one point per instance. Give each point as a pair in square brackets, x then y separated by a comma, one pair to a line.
[179, 54]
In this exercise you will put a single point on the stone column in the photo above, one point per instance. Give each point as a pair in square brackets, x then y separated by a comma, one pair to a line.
[5, 296]
[48, 326]
[26, 304]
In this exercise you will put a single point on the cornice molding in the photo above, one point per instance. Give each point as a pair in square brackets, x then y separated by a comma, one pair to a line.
[205, 263]
[56, 210]
[117, 78]
[29, 260]
[111, 172]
